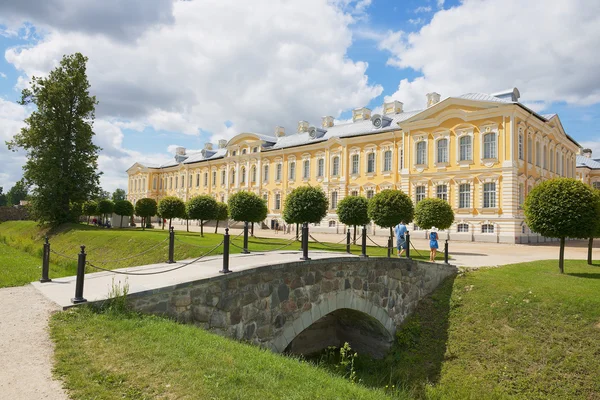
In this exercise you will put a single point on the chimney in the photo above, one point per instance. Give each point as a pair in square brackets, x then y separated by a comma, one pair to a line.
[327, 122]
[392, 107]
[222, 143]
[432, 99]
[208, 146]
[359, 114]
[302, 126]
[180, 151]
[586, 153]
[279, 131]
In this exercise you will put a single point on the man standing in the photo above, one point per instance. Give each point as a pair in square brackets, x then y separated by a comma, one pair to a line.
[400, 230]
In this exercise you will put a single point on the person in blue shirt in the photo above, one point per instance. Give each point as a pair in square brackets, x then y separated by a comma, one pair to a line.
[433, 245]
[400, 230]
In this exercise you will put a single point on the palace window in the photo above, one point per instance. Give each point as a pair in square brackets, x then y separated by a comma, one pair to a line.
[320, 168]
[243, 175]
[266, 173]
[370, 163]
[355, 164]
[442, 192]
[538, 155]
[197, 180]
[154, 183]
[487, 228]
[182, 181]
[253, 174]
[335, 168]
[292, 171]
[334, 200]
[466, 149]
[387, 161]
[144, 186]
[355, 192]
[160, 184]
[401, 162]
[545, 158]
[489, 146]
[521, 195]
[421, 153]
[462, 228]
[306, 168]
[255, 149]
[521, 155]
[442, 151]
[278, 168]
[171, 182]
[243, 151]
[233, 153]
[205, 179]
[223, 177]
[420, 193]
[596, 185]
[176, 182]
[489, 195]
[529, 151]
[277, 201]
[370, 193]
[551, 159]
[214, 178]
[332, 223]
[222, 198]
[266, 199]
[233, 176]
[464, 195]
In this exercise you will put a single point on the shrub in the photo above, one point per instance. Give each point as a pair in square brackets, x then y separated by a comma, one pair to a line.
[353, 211]
[305, 204]
[389, 207]
[123, 208]
[201, 208]
[171, 207]
[145, 208]
[247, 207]
[434, 213]
[105, 207]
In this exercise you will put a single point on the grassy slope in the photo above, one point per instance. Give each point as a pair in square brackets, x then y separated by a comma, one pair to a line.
[111, 244]
[19, 268]
[115, 356]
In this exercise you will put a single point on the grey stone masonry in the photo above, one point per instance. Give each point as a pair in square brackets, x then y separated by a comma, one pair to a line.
[271, 305]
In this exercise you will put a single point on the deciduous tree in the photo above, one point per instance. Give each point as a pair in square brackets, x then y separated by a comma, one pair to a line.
[124, 208]
[118, 195]
[17, 193]
[202, 208]
[247, 207]
[89, 208]
[389, 207]
[105, 207]
[305, 204]
[62, 159]
[146, 208]
[352, 211]
[597, 231]
[562, 208]
[171, 207]
[222, 214]
[431, 213]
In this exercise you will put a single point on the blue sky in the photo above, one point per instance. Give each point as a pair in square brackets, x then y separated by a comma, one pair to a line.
[184, 73]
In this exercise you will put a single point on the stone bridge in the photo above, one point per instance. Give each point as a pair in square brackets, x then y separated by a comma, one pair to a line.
[304, 306]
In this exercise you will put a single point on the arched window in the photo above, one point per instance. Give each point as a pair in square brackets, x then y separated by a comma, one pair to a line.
[266, 173]
[371, 163]
[306, 168]
[332, 223]
[421, 153]
[387, 161]
[334, 200]
[487, 228]
[538, 154]
[442, 151]
[335, 166]
[355, 164]
[489, 146]
[521, 153]
[253, 174]
[462, 228]
[292, 171]
[243, 151]
[545, 157]
[233, 176]
[278, 168]
[243, 175]
[465, 148]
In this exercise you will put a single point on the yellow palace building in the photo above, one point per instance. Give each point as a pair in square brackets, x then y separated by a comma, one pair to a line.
[482, 153]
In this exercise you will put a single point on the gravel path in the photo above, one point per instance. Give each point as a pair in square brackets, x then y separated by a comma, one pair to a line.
[26, 348]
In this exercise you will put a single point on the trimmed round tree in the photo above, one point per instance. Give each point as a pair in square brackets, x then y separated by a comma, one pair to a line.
[247, 207]
[222, 214]
[123, 208]
[105, 207]
[353, 211]
[145, 208]
[390, 207]
[305, 204]
[597, 232]
[171, 207]
[89, 208]
[202, 208]
[562, 208]
[436, 213]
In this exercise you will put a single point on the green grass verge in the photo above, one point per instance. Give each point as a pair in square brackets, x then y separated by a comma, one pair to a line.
[112, 244]
[18, 268]
[522, 331]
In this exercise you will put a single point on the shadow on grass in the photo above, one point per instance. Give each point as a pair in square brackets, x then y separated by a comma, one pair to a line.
[419, 350]
[585, 275]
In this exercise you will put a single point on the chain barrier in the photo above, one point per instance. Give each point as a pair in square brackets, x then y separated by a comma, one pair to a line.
[326, 244]
[372, 241]
[415, 249]
[133, 256]
[157, 272]
[191, 244]
[288, 243]
[63, 255]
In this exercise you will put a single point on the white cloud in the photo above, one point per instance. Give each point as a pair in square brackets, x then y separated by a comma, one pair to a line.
[487, 46]
[593, 145]
[11, 122]
[416, 21]
[440, 3]
[3, 75]
[422, 9]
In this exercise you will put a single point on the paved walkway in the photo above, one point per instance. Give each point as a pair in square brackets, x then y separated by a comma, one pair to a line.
[26, 356]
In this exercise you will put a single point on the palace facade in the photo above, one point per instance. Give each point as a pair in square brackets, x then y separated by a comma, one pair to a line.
[481, 153]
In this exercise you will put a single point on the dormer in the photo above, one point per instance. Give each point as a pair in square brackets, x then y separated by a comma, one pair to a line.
[361, 114]
[392, 107]
[327, 122]
[180, 154]
[303, 126]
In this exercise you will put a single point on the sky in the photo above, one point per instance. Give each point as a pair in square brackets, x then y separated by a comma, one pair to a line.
[171, 73]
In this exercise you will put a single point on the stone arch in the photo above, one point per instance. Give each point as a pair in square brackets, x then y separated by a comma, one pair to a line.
[334, 302]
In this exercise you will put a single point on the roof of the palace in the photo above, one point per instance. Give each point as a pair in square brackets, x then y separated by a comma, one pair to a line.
[583, 161]
[359, 128]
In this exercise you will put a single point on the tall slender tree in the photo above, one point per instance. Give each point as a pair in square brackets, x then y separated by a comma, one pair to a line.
[62, 160]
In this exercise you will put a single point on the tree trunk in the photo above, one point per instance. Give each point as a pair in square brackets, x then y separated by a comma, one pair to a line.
[187, 225]
[252, 230]
[202, 228]
[561, 257]
[297, 231]
[88, 219]
[590, 246]
[217, 226]
[121, 224]
[354, 240]
[143, 223]
[391, 236]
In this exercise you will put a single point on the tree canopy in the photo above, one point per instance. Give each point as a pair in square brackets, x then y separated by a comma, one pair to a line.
[389, 207]
[105, 207]
[562, 208]
[222, 214]
[352, 211]
[145, 208]
[89, 208]
[247, 207]
[118, 195]
[171, 207]
[202, 208]
[124, 208]
[17, 193]
[431, 213]
[62, 159]
[305, 204]
[3, 200]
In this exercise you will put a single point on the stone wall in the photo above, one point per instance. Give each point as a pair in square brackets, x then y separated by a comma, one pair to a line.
[13, 213]
[270, 306]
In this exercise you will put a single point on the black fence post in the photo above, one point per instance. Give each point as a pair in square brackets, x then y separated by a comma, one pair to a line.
[407, 236]
[348, 242]
[305, 242]
[225, 269]
[171, 246]
[390, 244]
[446, 252]
[364, 242]
[80, 276]
[245, 251]
[46, 261]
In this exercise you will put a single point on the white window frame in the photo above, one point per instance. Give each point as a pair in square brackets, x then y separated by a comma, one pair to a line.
[387, 161]
[443, 195]
[489, 196]
[355, 160]
[335, 166]
[490, 147]
[306, 169]
[462, 228]
[442, 151]
[334, 200]
[277, 204]
[421, 152]
[278, 172]
[292, 172]
[420, 193]
[467, 203]
[371, 162]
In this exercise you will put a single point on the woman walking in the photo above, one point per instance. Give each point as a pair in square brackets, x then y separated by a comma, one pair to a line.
[433, 245]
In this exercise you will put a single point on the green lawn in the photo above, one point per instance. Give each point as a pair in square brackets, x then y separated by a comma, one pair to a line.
[522, 331]
[18, 268]
[113, 244]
